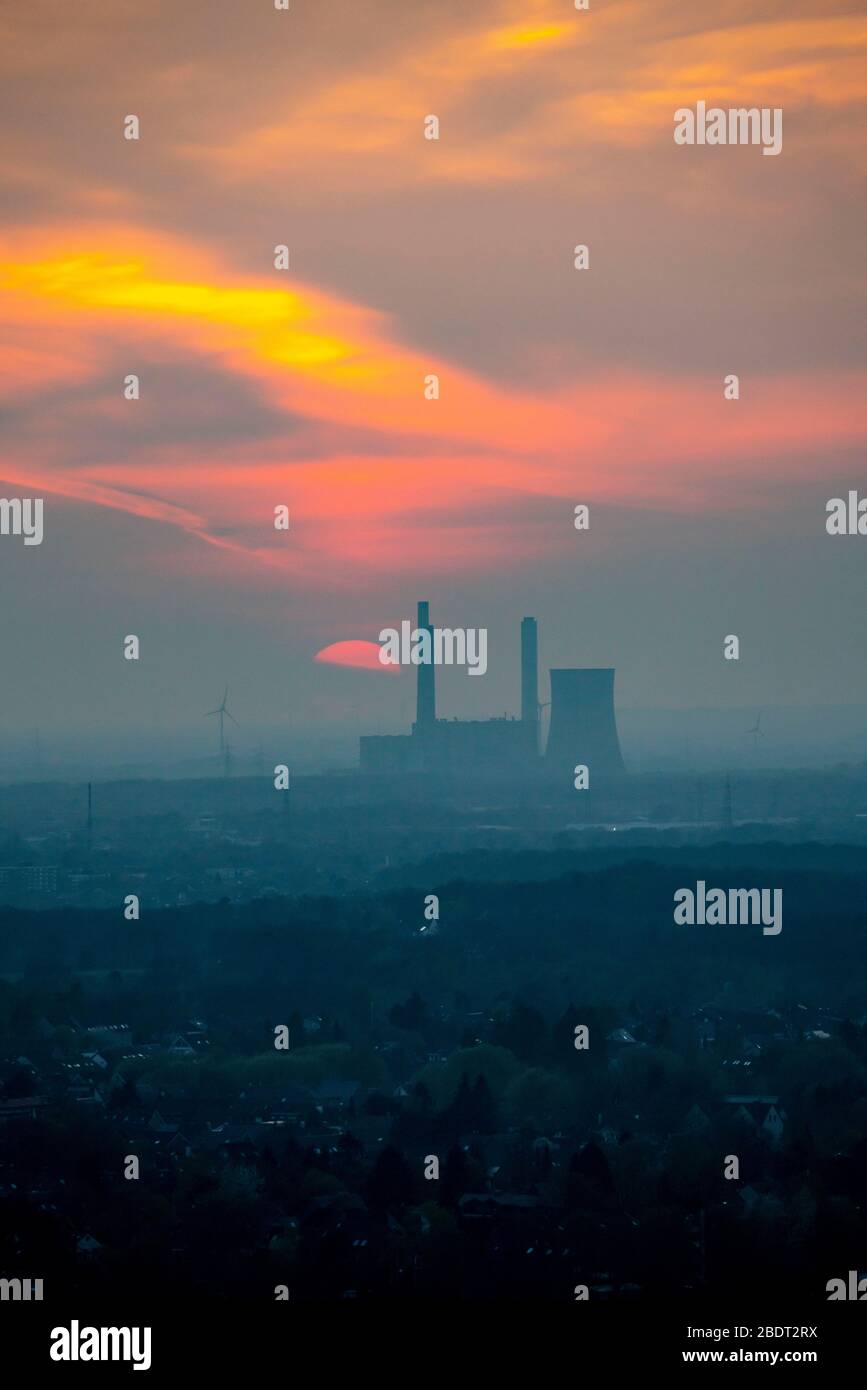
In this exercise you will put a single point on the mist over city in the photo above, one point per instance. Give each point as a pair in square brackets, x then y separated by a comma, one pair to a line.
[433, 715]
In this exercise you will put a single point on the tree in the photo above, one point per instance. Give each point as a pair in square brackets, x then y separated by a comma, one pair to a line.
[482, 1107]
[590, 1166]
[455, 1176]
[522, 1031]
[412, 1015]
[21, 1083]
[350, 1148]
[125, 1096]
[458, 1116]
[421, 1098]
[391, 1182]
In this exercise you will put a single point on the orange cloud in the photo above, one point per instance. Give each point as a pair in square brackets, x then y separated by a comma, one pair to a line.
[614, 76]
[379, 110]
[447, 480]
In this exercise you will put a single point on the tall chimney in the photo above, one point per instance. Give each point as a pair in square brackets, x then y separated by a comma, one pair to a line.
[426, 706]
[530, 678]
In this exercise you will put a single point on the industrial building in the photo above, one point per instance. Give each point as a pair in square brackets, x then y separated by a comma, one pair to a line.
[583, 728]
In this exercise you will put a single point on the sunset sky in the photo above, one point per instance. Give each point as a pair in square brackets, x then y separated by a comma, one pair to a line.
[410, 257]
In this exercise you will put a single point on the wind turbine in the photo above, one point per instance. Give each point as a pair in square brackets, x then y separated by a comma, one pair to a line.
[756, 731]
[222, 712]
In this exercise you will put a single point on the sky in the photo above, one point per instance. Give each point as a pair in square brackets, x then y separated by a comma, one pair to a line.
[409, 257]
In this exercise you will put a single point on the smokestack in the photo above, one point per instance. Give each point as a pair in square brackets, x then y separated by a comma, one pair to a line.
[530, 677]
[583, 727]
[426, 706]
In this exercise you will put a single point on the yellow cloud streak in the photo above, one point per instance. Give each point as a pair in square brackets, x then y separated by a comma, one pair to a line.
[518, 37]
[316, 354]
[274, 318]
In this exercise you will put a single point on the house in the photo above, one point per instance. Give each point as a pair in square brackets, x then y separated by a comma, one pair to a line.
[759, 1027]
[695, 1120]
[233, 1141]
[88, 1095]
[477, 1205]
[109, 1034]
[774, 1124]
[159, 1125]
[762, 1113]
[118, 1082]
[604, 1134]
[286, 1102]
[88, 1245]
[25, 1108]
[335, 1094]
[750, 1197]
[705, 1031]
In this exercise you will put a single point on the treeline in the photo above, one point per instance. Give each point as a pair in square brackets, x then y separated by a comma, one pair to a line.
[601, 935]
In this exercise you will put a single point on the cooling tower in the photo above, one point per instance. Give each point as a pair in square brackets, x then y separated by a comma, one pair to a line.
[583, 728]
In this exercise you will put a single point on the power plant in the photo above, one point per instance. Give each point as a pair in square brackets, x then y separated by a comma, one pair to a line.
[583, 727]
